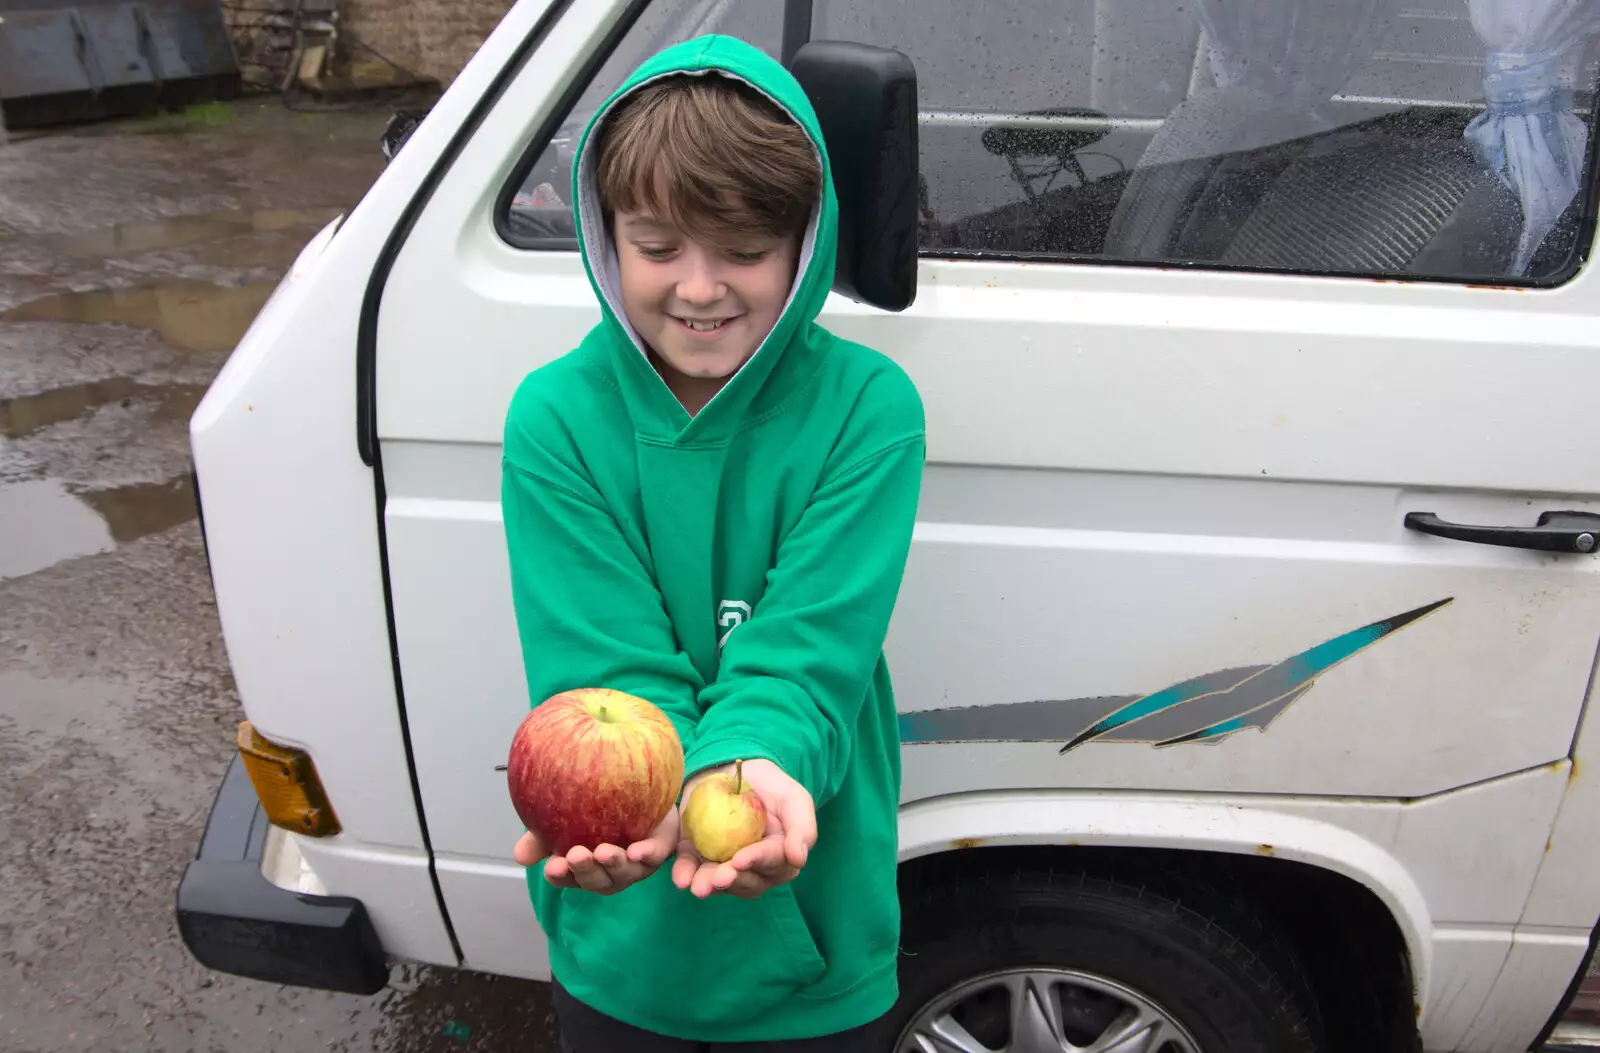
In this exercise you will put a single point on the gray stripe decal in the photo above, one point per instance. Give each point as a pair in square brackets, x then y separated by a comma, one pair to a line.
[1206, 708]
[1058, 719]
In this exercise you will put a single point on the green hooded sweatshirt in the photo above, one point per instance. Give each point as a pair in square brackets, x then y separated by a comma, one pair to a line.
[738, 569]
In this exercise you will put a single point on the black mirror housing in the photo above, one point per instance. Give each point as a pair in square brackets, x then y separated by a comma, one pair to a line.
[401, 124]
[866, 102]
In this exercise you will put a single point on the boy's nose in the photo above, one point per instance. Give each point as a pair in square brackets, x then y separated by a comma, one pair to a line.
[701, 286]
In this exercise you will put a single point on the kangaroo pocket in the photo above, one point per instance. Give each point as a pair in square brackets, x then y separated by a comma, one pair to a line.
[670, 957]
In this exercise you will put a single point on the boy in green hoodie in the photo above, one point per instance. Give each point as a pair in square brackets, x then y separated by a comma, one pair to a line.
[709, 504]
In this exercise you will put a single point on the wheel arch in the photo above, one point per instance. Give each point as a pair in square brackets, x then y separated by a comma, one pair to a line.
[959, 830]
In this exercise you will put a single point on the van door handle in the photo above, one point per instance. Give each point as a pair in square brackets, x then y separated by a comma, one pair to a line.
[1556, 532]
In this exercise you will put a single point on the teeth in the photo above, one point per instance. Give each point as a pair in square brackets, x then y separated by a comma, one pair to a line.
[703, 327]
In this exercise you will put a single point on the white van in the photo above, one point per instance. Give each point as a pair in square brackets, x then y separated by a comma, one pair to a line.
[1247, 636]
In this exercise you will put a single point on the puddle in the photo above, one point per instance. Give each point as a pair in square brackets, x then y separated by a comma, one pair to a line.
[192, 316]
[45, 524]
[141, 509]
[46, 521]
[148, 235]
[28, 413]
[266, 253]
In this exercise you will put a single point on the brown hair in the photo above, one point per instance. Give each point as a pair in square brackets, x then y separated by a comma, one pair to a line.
[711, 155]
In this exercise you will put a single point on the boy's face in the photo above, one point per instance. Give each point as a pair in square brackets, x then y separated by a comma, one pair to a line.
[704, 310]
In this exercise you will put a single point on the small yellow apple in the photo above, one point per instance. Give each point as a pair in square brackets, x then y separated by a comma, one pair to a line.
[723, 815]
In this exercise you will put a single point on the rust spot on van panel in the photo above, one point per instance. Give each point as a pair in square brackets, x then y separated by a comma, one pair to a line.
[1266, 850]
[966, 842]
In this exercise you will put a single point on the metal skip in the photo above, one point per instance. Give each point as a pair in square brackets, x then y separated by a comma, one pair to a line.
[62, 62]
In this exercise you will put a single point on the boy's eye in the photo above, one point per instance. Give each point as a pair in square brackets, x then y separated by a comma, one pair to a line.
[750, 257]
[656, 252]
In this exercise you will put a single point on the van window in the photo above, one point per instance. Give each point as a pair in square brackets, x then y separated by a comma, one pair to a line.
[1435, 139]
[538, 215]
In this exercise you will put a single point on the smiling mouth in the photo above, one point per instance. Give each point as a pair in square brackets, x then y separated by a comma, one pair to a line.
[703, 325]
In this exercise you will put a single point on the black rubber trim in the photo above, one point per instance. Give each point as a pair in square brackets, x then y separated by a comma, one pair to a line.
[200, 517]
[381, 501]
[796, 28]
[1580, 256]
[367, 330]
[1583, 246]
[232, 919]
[552, 123]
[1572, 992]
[367, 403]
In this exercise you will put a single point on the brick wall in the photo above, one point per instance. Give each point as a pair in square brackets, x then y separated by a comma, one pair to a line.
[434, 38]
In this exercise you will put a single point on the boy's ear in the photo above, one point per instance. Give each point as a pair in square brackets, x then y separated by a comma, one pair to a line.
[866, 102]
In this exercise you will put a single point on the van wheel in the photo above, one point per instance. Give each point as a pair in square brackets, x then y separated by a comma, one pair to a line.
[1045, 962]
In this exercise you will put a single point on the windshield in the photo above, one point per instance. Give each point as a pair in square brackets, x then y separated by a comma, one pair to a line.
[1436, 138]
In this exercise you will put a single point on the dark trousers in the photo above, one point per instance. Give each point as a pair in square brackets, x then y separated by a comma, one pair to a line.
[585, 1030]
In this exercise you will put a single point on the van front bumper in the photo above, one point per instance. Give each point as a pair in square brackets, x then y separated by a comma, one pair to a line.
[234, 920]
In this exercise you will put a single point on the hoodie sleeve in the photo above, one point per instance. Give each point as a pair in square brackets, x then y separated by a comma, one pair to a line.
[588, 612]
[794, 676]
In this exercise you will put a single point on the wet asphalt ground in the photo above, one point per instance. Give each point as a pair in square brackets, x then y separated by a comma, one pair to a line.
[132, 255]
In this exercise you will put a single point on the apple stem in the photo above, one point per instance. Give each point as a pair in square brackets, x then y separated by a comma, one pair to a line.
[738, 776]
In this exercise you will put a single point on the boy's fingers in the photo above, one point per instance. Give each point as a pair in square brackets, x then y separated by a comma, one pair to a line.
[558, 873]
[703, 884]
[593, 880]
[608, 868]
[586, 872]
[799, 828]
[615, 858]
[751, 884]
[656, 849]
[684, 869]
[765, 854]
[723, 876]
[652, 852]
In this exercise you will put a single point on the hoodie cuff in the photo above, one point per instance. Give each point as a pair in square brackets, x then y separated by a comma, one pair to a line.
[686, 735]
[717, 752]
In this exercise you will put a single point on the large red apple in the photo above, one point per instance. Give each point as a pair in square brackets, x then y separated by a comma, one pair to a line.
[592, 767]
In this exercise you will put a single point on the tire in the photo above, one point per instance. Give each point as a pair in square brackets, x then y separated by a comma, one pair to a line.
[1103, 945]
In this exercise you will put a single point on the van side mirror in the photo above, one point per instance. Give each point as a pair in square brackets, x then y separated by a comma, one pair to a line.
[866, 102]
[401, 124]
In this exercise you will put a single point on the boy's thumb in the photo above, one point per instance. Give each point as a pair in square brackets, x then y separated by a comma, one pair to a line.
[528, 851]
[796, 849]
